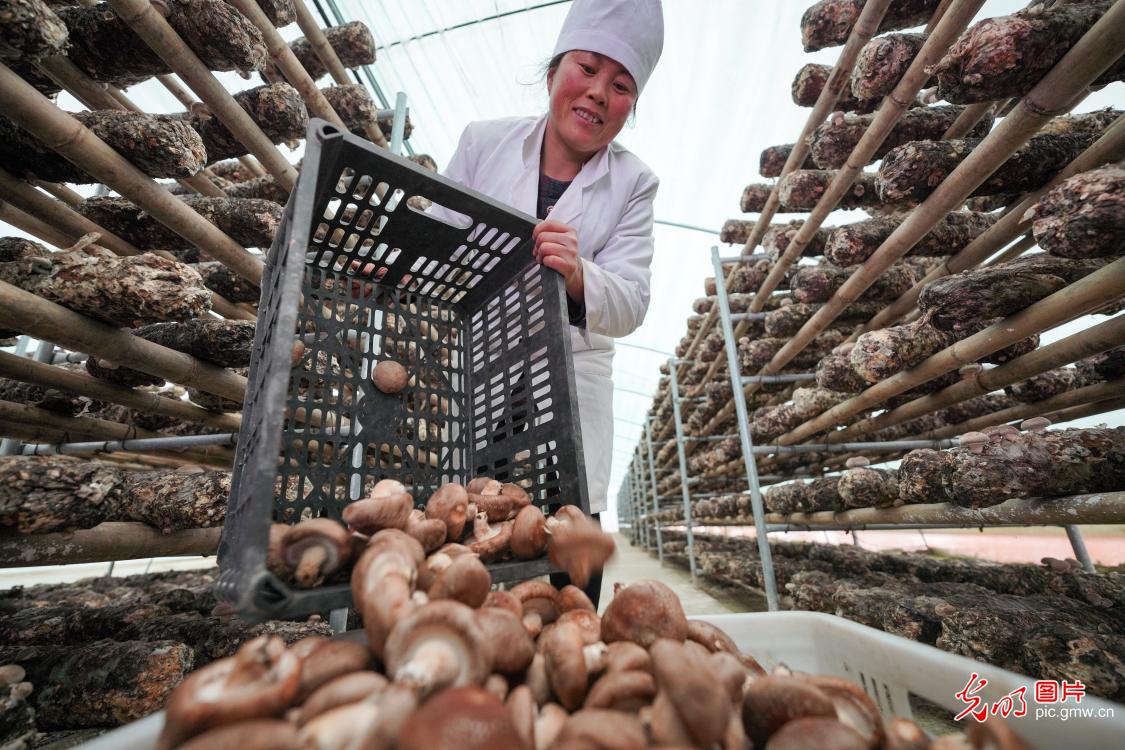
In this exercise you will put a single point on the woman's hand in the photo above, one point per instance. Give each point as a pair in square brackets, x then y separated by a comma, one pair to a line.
[556, 247]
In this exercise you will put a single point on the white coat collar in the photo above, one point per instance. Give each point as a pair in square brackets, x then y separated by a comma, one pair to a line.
[572, 204]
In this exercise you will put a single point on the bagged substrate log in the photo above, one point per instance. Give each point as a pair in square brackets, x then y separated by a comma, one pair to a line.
[777, 238]
[277, 109]
[352, 43]
[17, 717]
[226, 343]
[43, 397]
[154, 422]
[232, 170]
[172, 500]
[864, 487]
[883, 62]
[1084, 217]
[819, 283]
[976, 407]
[353, 104]
[1043, 386]
[262, 188]
[212, 638]
[736, 231]
[1101, 367]
[788, 319]
[810, 81]
[772, 160]
[811, 402]
[1000, 290]
[754, 354]
[912, 171]
[791, 497]
[110, 372]
[122, 291]
[106, 49]
[30, 31]
[835, 372]
[770, 422]
[249, 222]
[801, 189]
[280, 12]
[824, 494]
[99, 684]
[41, 494]
[211, 402]
[754, 197]
[158, 145]
[1006, 56]
[748, 277]
[989, 203]
[877, 355]
[852, 244]
[832, 142]
[225, 282]
[17, 248]
[1083, 124]
[829, 22]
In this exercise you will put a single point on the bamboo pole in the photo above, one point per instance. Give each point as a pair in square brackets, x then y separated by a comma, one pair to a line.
[1091, 394]
[45, 320]
[38, 373]
[1108, 148]
[1083, 296]
[1092, 55]
[967, 120]
[174, 88]
[102, 429]
[148, 24]
[38, 115]
[1093, 340]
[324, 52]
[62, 192]
[24, 221]
[107, 541]
[285, 61]
[65, 219]
[1088, 410]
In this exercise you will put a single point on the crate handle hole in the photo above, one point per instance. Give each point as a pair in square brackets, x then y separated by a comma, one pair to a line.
[443, 215]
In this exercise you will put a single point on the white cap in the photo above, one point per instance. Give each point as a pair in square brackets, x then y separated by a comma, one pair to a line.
[629, 31]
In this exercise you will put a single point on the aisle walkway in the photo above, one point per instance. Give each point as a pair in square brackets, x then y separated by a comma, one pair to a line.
[632, 564]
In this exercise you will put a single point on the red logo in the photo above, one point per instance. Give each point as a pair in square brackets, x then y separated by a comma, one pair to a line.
[1015, 702]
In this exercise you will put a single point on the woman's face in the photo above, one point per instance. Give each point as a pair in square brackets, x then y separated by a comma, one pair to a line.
[591, 97]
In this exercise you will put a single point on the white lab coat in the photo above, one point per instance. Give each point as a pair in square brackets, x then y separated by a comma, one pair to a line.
[609, 204]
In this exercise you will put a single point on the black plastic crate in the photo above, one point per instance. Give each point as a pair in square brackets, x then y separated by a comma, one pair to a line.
[360, 273]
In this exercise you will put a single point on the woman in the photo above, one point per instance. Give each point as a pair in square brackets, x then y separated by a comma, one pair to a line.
[593, 196]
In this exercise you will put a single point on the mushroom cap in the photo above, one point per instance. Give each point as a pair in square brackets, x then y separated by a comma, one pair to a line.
[539, 597]
[324, 533]
[626, 655]
[510, 646]
[504, 600]
[390, 376]
[1035, 424]
[521, 706]
[622, 691]
[483, 486]
[602, 729]
[493, 546]
[568, 514]
[375, 513]
[588, 622]
[548, 724]
[536, 679]
[519, 496]
[329, 661]
[465, 579]
[248, 735]
[449, 505]
[399, 539]
[728, 671]
[580, 548]
[438, 645]
[904, 734]
[430, 532]
[995, 734]
[566, 664]
[386, 488]
[816, 733]
[854, 707]
[260, 680]
[529, 533]
[275, 560]
[496, 507]
[712, 637]
[701, 703]
[350, 725]
[643, 612]
[571, 597]
[857, 461]
[772, 701]
[460, 718]
[348, 688]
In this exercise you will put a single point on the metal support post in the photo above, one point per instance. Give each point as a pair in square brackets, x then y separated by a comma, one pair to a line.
[1080, 552]
[655, 496]
[683, 457]
[398, 128]
[11, 446]
[642, 497]
[744, 433]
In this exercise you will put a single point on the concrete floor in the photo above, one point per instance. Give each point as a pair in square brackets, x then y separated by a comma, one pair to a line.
[630, 564]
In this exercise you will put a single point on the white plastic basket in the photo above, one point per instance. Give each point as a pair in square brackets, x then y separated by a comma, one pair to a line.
[888, 667]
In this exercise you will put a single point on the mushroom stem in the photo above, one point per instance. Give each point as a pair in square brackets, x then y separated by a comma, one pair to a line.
[435, 663]
[310, 564]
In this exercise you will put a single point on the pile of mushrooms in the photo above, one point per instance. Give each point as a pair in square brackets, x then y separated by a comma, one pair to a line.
[528, 669]
[482, 522]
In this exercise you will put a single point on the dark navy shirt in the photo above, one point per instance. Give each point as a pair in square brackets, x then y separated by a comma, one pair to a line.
[550, 190]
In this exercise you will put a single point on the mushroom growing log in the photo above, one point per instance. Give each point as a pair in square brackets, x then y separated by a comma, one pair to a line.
[828, 23]
[250, 223]
[883, 62]
[1000, 290]
[754, 354]
[45, 397]
[225, 343]
[158, 145]
[277, 109]
[1006, 56]
[833, 141]
[1043, 386]
[852, 244]
[1084, 217]
[352, 43]
[802, 188]
[264, 187]
[106, 49]
[121, 291]
[754, 197]
[864, 487]
[810, 82]
[912, 171]
[819, 283]
[1012, 464]
[835, 372]
[777, 238]
[41, 494]
[879, 354]
[30, 30]
[773, 159]
[787, 320]
[18, 248]
[173, 501]
[226, 283]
